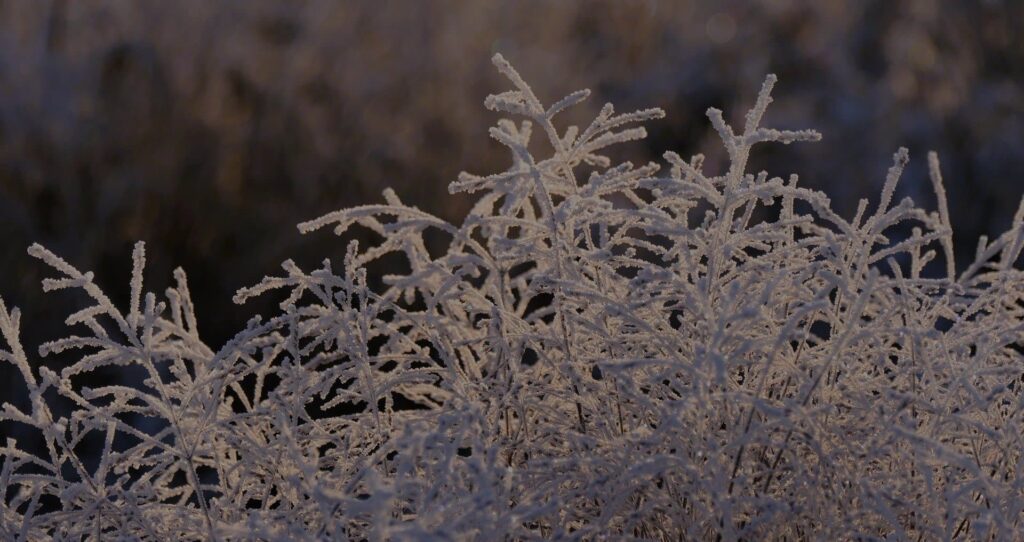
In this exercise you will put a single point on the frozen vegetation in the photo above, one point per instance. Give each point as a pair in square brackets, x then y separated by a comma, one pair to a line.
[597, 350]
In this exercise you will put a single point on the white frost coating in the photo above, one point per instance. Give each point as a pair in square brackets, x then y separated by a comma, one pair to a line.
[583, 360]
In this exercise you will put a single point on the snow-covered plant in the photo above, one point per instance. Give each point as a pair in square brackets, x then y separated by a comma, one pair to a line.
[598, 350]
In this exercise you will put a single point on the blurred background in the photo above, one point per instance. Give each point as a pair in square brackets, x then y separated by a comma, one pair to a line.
[209, 129]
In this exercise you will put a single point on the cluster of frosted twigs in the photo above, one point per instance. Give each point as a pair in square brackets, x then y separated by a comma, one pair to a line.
[598, 350]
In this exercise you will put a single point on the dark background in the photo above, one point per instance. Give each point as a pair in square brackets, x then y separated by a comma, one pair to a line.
[209, 129]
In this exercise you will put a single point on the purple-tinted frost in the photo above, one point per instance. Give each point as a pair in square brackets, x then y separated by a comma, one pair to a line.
[600, 351]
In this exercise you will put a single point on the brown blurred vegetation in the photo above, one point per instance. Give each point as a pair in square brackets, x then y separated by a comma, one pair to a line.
[208, 129]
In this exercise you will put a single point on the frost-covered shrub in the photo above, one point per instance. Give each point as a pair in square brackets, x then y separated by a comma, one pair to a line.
[599, 350]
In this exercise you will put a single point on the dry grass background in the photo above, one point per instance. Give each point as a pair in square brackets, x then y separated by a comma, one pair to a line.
[208, 129]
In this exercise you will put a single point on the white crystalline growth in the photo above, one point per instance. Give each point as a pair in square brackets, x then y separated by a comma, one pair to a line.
[599, 350]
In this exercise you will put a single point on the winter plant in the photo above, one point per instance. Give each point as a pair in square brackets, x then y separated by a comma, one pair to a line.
[598, 350]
